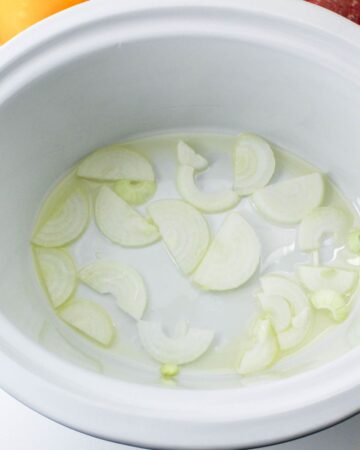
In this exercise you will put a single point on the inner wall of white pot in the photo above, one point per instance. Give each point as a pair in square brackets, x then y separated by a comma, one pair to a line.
[147, 87]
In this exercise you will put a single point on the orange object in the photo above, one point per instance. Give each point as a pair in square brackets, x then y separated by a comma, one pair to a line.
[16, 15]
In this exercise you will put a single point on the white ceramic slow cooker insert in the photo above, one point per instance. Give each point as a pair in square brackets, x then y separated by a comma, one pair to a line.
[106, 71]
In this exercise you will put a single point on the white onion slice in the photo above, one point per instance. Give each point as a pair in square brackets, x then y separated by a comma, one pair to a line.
[232, 258]
[263, 352]
[188, 157]
[315, 278]
[287, 289]
[254, 163]
[177, 350]
[115, 163]
[121, 223]
[276, 309]
[353, 241]
[332, 301]
[58, 273]
[321, 222]
[119, 280]
[294, 335]
[135, 192]
[66, 222]
[184, 231]
[289, 201]
[299, 307]
[90, 319]
[209, 202]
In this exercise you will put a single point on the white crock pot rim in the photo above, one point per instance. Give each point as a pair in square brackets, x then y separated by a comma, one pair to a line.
[317, 386]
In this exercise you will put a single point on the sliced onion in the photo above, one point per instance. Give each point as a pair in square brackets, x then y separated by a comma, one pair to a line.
[123, 282]
[232, 258]
[169, 371]
[321, 222]
[210, 202]
[184, 231]
[174, 350]
[188, 157]
[263, 352]
[254, 163]
[353, 242]
[90, 319]
[66, 222]
[288, 202]
[115, 163]
[121, 223]
[58, 273]
[277, 309]
[135, 192]
[288, 289]
[294, 335]
[332, 301]
[315, 278]
[299, 307]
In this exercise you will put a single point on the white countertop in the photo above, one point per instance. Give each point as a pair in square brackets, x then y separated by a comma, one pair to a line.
[23, 429]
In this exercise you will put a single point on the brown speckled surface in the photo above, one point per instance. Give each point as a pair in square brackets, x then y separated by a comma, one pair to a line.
[347, 8]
